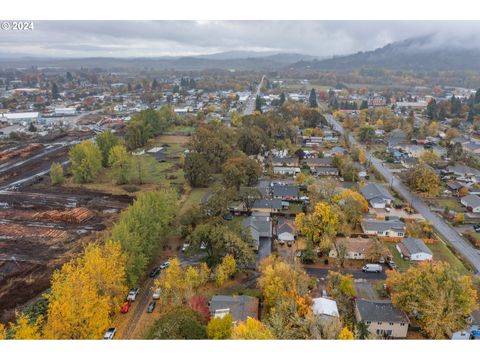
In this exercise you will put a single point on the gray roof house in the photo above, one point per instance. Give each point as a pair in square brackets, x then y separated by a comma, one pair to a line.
[376, 195]
[268, 206]
[387, 228]
[414, 249]
[319, 162]
[285, 192]
[286, 230]
[259, 225]
[285, 161]
[471, 202]
[382, 318]
[240, 307]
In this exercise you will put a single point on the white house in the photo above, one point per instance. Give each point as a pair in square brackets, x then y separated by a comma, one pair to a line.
[383, 228]
[325, 307]
[471, 202]
[414, 249]
[377, 196]
[286, 170]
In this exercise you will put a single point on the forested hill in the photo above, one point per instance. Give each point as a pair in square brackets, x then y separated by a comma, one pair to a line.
[421, 53]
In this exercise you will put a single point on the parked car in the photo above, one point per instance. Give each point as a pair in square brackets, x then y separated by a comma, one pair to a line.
[476, 227]
[289, 243]
[185, 247]
[203, 246]
[154, 273]
[372, 268]
[132, 295]
[228, 217]
[391, 264]
[299, 253]
[125, 307]
[110, 334]
[164, 265]
[156, 294]
[151, 307]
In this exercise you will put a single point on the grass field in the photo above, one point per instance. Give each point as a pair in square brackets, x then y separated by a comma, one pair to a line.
[452, 204]
[442, 252]
[402, 264]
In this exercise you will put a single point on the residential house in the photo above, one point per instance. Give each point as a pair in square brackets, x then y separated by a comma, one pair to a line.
[377, 196]
[356, 248]
[464, 173]
[383, 228]
[414, 249]
[285, 161]
[325, 308]
[259, 226]
[286, 230]
[237, 207]
[319, 162]
[267, 206]
[286, 170]
[326, 171]
[454, 186]
[471, 202]
[285, 192]
[382, 318]
[240, 307]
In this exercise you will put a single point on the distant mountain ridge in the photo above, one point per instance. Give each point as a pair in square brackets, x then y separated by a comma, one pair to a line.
[422, 53]
[238, 60]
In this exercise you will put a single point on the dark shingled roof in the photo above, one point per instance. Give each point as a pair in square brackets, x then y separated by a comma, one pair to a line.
[241, 306]
[380, 310]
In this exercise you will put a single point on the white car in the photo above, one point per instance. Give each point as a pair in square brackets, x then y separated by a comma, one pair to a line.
[165, 265]
[203, 246]
[132, 295]
[156, 294]
[185, 247]
[110, 334]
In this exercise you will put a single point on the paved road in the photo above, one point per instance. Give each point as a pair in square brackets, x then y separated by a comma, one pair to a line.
[448, 233]
[357, 274]
[250, 107]
[139, 306]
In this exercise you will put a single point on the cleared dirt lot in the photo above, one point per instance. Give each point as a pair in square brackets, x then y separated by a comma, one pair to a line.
[42, 227]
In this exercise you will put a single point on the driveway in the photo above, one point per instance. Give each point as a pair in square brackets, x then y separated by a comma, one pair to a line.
[357, 274]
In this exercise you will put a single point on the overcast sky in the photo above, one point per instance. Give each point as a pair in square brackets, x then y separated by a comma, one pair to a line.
[164, 38]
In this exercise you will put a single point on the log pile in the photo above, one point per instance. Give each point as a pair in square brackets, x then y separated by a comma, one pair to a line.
[23, 152]
[75, 216]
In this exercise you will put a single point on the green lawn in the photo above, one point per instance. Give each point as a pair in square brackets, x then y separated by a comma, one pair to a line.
[194, 198]
[453, 204]
[442, 252]
[402, 264]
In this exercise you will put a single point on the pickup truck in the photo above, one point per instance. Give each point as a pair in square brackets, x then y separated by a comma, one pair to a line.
[132, 295]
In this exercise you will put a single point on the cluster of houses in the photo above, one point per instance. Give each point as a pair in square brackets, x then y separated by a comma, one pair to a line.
[381, 317]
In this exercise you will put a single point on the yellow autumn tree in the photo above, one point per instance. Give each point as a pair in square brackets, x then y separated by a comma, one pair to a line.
[300, 178]
[345, 334]
[85, 292]
[320, 226]
[251, 329]
[75, 309]
[225, 270]
[3, 332]
[105, 266]
[178, 284]
[279, 280]
[439, 297]
[24, 329]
